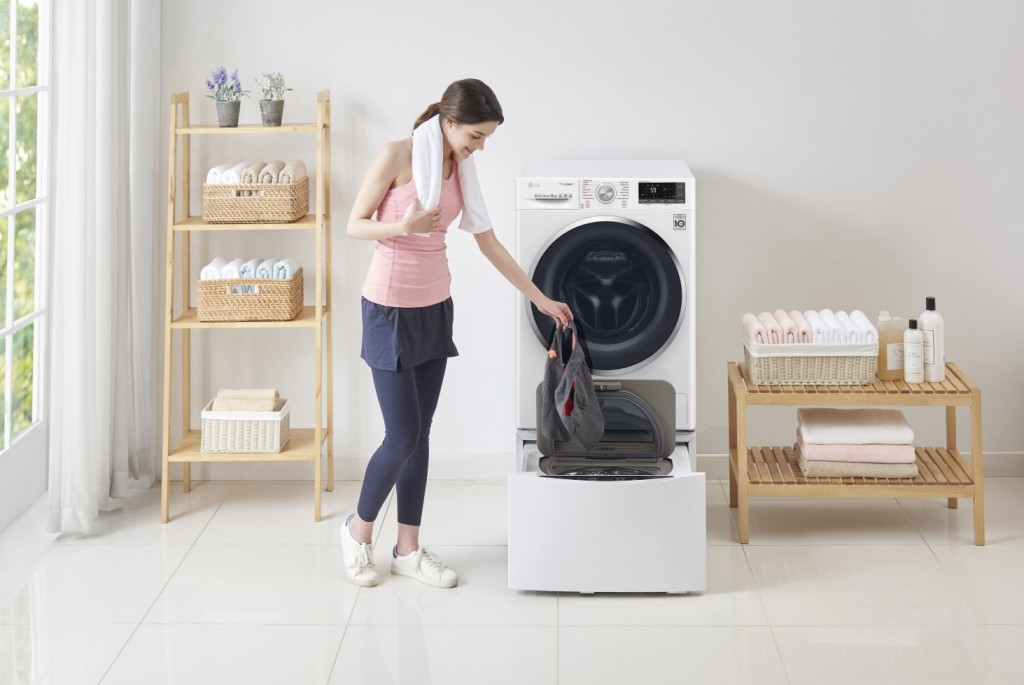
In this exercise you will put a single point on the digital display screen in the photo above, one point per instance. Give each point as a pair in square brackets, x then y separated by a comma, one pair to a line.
[661, 193]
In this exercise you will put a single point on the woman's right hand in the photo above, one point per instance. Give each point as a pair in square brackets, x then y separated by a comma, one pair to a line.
[419, 220]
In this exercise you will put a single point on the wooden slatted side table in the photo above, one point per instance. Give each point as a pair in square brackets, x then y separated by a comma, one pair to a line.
[774, 472]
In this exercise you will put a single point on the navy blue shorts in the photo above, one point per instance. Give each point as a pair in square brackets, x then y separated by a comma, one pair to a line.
[397, 338]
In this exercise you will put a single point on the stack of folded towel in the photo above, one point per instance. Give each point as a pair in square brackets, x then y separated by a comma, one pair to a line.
[866, 443]
[258, 267]
[784, 328]
[257, 172]
[254, 399]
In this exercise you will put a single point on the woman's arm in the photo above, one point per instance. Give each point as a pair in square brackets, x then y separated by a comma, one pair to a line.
[386, 167]
[497, 255]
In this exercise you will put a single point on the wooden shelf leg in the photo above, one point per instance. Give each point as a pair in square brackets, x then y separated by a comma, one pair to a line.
[742, 473]
[733, 464]
[951, 441]
[186, 477]
[317, 484]
[977, 468]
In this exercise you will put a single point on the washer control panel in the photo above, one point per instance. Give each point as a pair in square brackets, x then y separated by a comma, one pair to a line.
[600, 193]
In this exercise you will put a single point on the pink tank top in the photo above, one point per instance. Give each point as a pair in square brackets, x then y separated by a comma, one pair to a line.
[410, 270]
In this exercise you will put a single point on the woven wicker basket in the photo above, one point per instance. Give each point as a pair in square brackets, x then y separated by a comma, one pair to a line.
[811, 364]
[245, 432]
[249, 299]
[255, 203]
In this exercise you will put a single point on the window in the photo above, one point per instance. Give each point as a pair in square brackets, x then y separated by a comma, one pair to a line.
[23, 214]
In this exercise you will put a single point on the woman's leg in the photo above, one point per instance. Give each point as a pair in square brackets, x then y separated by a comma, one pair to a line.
[412, 482]
[399, 404]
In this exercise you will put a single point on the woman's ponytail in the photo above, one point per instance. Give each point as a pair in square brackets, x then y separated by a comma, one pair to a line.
[427, 113]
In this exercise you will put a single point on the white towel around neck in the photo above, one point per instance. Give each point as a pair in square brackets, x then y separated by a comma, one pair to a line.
[427, 164]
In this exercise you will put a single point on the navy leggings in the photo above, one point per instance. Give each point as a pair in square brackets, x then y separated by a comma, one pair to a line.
[407, 399]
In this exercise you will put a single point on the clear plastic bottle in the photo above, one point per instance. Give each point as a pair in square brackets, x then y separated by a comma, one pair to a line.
[934, 343]
[913, 354]
[890, 346]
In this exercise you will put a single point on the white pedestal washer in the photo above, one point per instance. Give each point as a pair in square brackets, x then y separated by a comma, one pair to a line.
[615, 240]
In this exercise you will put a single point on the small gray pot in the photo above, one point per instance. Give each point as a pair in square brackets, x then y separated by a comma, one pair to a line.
[271, 111]
[227, 113]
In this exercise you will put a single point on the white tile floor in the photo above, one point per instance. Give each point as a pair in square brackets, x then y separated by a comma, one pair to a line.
[242, 587]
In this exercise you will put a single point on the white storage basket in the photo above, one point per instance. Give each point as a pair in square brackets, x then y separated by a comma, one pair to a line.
[258, 432]
[811, 363]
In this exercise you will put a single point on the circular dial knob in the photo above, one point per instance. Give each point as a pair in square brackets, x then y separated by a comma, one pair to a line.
[606, 192]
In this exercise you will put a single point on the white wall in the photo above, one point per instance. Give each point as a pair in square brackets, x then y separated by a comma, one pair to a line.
[848, 155]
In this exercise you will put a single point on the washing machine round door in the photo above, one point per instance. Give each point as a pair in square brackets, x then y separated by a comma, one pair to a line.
[624, 287]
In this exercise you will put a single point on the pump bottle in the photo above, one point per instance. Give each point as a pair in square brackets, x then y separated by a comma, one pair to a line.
[913, 354]
[934, 343]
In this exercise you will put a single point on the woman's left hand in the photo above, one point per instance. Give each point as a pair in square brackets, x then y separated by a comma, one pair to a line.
[559, 311]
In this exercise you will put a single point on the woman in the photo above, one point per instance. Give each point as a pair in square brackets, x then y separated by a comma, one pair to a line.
[407, 309]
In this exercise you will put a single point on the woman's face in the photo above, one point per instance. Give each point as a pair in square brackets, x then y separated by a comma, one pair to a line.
[465, 139]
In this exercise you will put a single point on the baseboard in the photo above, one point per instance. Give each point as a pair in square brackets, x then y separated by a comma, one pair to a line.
[489, 467]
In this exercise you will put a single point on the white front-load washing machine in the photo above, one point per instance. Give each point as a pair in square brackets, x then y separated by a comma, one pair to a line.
[615, 241]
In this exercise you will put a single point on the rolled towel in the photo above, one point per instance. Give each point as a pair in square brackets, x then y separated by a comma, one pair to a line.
[804, 332]
[826, 426]
[849, 469]
[271, 172]
[286, 268]
[239, 404]
[214, 174]
[852, 331]
[871, 453]
[753, 329]
[249, 393]
[231, 269]
[248, 270]
[836, 332]
[864, 324]
[789, 331]
[819, 331]
[772, 327]
[251, 173]
[266, 268]
[292, 172]
[212, 271]
[234, 174]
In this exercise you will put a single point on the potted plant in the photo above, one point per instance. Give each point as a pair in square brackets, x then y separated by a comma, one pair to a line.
[227, 92]
[272, 104]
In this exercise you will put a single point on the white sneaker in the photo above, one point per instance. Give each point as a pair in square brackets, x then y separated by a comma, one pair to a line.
[358, 558]
[424, 566]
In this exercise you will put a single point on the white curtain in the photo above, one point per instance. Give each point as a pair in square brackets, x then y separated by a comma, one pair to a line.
[104, 344]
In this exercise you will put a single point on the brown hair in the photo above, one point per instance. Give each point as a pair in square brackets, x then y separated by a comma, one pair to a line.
[469, 101]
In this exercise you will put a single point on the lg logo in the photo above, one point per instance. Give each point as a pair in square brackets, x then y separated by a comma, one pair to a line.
[679, 222]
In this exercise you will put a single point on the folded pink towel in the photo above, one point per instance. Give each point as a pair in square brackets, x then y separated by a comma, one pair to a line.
[846, 469]
[789, 330]
[772, 327]
[819, 331]
[804, 334]
[855, 426]
[753, 329]
[872, 453]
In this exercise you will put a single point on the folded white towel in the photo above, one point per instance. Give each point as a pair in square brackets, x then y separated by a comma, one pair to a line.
[851, 331]
[212, 271]
[239, 404]
[271, 172]
[214, 174]
[249, 393]
[836, 332]
[790, 334]
[286, 268]
[819, 331]
[867, 328]
[753, 329]
[234, 174]
[251, 173]
[292, 172]
[232, 268]
[854, 427]
[266, 268]
[427, 163]
[772, 327]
